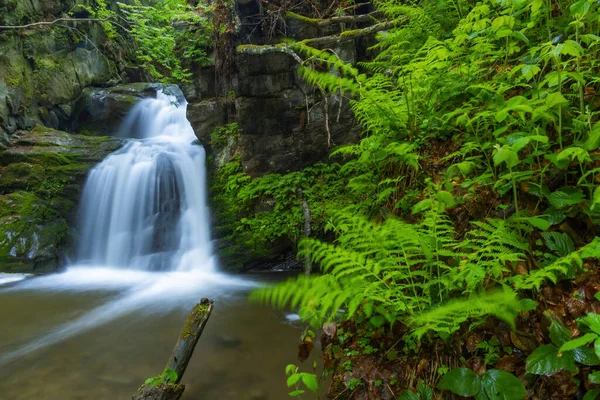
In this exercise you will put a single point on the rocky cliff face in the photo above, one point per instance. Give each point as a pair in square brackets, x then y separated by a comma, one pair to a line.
[285, 123]
[44, 69]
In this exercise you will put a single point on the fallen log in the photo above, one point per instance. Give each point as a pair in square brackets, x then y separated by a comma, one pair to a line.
[166, 386]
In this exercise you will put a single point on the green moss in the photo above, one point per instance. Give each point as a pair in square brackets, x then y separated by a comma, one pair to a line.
[308, 20]
[351, 33]
[197, 314]
[221, 135]
[257, 49]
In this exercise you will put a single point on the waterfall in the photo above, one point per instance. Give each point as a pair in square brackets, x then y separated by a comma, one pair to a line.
[144, 207]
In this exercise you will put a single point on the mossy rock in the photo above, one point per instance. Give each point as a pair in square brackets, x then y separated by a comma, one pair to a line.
[41, 179]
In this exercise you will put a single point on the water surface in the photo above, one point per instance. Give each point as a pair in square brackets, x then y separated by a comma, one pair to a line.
[66, 339]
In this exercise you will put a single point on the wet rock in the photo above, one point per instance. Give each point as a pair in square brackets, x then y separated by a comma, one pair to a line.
[41, 177]
[100, 111]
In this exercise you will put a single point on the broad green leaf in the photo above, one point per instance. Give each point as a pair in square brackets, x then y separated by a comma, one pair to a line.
[503, 21]
[559, 242]
[545, 360]
[408, 395]
[310, 381]
[565, 198]
[572, 48]
[506, 155]
[502, 385]
[293, 379]
[296, 393]
[559, 334]
[538, 222]
[530, 71]
[594, 377]
[574, 153]
[461, 381]
[554, 99]
[576, 343]
[579, 8]
[445, 197]
[591, 394]
[592, 321]
[586, 356]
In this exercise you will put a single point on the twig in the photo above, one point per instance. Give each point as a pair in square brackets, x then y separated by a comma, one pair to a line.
[48, 23]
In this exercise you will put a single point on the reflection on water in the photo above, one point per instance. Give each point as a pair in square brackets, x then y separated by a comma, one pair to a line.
[99, 333]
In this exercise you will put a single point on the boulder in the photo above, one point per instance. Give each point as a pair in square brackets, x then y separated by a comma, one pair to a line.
[100, 111]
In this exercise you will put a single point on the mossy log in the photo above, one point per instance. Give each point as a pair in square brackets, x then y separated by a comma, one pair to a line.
[180, 357]
[319, 41]
[192, 330]
[344, 19]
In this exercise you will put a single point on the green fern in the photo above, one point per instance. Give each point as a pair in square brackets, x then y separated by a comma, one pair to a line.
[401, 270]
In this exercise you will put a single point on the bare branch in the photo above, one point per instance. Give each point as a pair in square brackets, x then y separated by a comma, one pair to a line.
[56, 21]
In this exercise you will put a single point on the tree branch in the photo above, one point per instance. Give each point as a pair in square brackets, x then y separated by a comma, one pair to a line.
[49, 23]
[320, 41]
[346, 19]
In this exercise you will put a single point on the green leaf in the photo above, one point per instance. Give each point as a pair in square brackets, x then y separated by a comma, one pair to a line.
[559, 334]
[521, 36]
[506, 155]
[594, 377]
[572, 48]
[545, 360]
[296, 393]
[293, 379]
[554, 99]
[502, 385]
[408, 395]
[529, 71]
[538, 222]
[310, 381]
[170, 375]
[592, 320]
[560, 243]
[380, 155]
[527, 305]
[461, 381]
[579, 8]
[586, 356]
[377, 321]
[576, 343]
[392, 355]
[445, 197]
[591, 394]
[564, 198]
[290, 369]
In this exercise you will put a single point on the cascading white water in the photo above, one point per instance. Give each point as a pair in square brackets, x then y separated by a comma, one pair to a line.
[143, 210]
[144, 206]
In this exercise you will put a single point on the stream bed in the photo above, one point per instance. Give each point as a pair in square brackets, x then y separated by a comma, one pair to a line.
[99, 334]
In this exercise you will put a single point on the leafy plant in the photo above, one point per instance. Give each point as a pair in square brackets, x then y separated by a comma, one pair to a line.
[167, 376]
[295, 378]
[494, 384]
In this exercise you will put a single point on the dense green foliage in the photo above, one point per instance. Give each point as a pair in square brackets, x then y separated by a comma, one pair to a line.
[475, 181]
[161, 46]
[168, 34]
